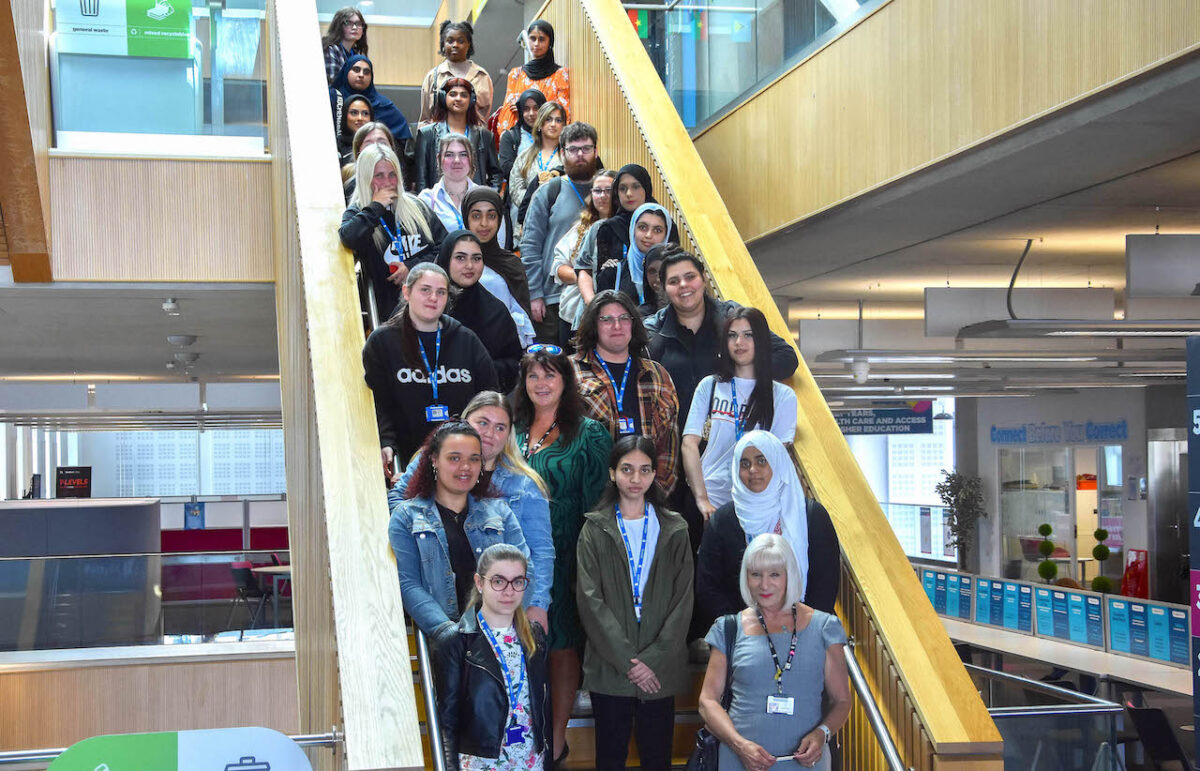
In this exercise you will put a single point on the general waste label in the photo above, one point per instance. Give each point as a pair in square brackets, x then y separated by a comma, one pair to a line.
[226, 749]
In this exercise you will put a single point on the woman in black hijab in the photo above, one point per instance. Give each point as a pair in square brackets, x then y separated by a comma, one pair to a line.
[520, 136]
[477, 309]
[540, 72]
[631, 189]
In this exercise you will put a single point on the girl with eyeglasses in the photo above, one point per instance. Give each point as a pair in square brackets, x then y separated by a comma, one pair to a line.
[570, 451]
[635, 602]
[449, 514]
[346, 36]
[492, 692]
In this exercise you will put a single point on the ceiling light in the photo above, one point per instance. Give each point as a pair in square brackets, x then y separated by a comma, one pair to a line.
[186, 357]
[171, 306]
[182, 341]
[1080, 328]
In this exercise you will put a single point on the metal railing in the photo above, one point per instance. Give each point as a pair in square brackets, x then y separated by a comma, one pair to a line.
[331, 739]
[886, 743]
[433, 728]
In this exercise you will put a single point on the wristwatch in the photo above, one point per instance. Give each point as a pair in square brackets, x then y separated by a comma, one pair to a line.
[825, 730]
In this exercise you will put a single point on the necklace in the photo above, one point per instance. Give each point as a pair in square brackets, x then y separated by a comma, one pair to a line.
[528, 451]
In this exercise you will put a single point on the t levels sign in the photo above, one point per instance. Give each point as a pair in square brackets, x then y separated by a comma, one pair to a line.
[1193, 424]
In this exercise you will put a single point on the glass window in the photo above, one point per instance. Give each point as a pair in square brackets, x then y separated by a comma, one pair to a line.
[137, 80]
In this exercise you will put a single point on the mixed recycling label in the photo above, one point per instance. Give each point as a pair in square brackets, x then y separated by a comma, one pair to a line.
[159, 28]
[227, 749]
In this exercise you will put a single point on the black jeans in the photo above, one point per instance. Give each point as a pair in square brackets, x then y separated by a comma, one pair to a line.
[655, 724]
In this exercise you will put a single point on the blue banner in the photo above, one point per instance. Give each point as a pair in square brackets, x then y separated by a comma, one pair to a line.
[887, 421]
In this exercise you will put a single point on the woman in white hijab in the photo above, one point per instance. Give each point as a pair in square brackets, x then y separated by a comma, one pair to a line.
[767, 498]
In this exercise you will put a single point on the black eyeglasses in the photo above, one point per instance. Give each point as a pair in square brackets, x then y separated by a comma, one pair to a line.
[549, 348]
[500, 583]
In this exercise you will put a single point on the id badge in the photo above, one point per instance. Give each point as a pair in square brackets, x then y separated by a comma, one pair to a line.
[780, 705]
[515, 734]
[436, 412]
[624, 425]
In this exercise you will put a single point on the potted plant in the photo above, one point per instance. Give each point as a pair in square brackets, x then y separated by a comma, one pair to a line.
[1100, 552]
[1047, 568]
[963, 496]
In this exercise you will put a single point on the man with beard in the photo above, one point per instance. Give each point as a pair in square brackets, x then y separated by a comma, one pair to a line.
[553, 210]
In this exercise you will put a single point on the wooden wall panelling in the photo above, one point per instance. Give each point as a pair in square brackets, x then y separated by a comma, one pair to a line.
[25, 138]
[616, 88]
[919, 81]
[353, 665]
[133, 219]
[58, 707]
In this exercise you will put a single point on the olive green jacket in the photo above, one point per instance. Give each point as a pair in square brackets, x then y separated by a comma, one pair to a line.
[605, 595]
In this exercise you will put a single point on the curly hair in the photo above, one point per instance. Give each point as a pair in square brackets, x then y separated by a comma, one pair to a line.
[571, 409]
[589, 334]
[423, 483]
[456, 26]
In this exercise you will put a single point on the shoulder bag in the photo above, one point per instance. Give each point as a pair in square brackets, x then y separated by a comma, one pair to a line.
[705, 756]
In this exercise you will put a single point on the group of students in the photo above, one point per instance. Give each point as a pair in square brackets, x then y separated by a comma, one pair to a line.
[595, 450]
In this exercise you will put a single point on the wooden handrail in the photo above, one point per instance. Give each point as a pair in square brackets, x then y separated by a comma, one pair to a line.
[352, 658]
[927, 697]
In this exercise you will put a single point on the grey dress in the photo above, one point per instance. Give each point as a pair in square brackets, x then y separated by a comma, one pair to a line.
[754, 681]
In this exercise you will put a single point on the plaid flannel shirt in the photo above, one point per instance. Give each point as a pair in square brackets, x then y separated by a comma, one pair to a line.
[657, 402]
[335, 59]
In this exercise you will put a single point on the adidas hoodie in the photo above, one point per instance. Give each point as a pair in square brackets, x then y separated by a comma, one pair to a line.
[402, 390]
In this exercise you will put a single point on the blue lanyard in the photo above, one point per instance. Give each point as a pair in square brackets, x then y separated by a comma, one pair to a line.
[437, 354]
[513, 686]
[738, 428]
[635, 573]
[395, 238]
[619, 392]
[575, 190]
[542, 166]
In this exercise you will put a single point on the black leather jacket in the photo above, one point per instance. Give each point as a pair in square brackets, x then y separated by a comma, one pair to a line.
[471, 695]
[487, 168]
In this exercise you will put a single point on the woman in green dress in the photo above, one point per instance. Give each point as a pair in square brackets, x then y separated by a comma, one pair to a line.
[570, 452]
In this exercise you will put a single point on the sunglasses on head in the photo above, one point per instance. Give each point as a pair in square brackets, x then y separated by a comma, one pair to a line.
[549, 348]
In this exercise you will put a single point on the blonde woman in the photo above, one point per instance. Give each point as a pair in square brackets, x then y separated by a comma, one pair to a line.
[518, 484]
[388, 230]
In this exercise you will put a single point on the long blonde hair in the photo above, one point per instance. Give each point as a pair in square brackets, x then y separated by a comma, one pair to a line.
[503, 552]
[511, 457]
[526, 158]
[408, 213]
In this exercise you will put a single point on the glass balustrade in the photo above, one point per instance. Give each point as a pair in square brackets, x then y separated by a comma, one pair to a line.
[1045, 726]
[134, 78]
[51, 603]
[713, 54]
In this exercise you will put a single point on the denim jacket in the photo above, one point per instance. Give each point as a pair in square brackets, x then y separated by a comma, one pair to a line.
[423, 558]
[533, 513]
